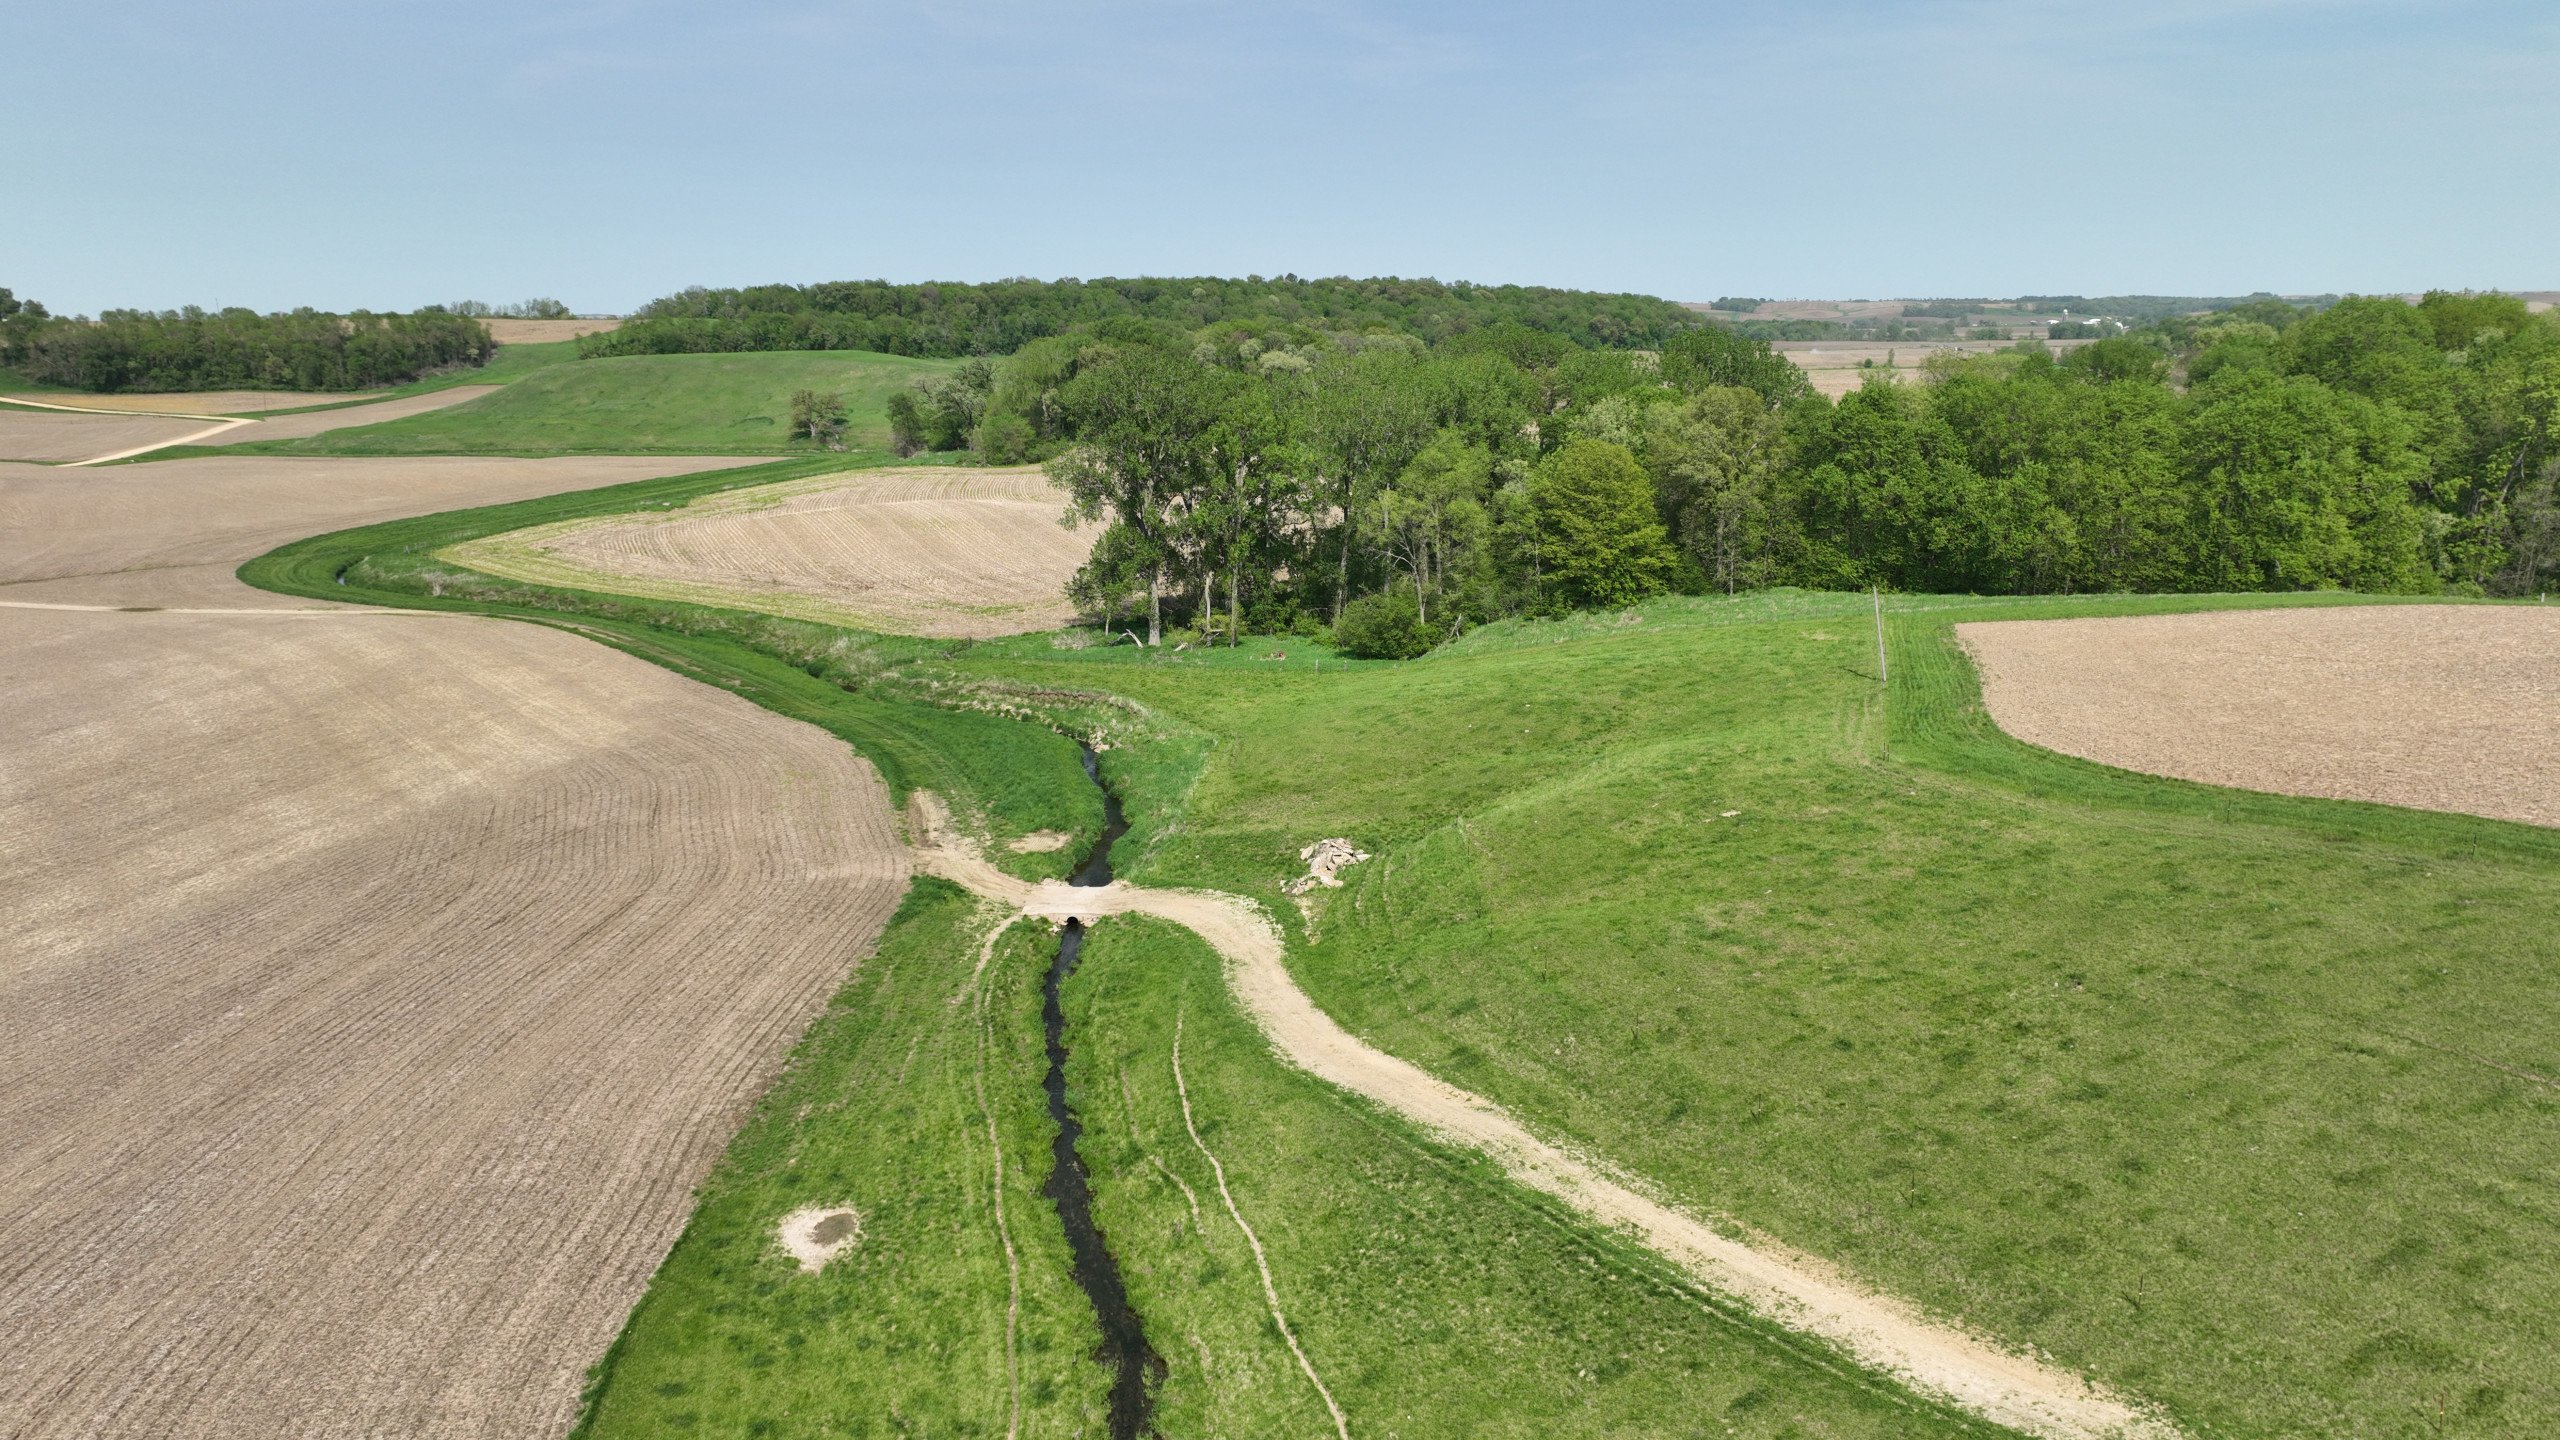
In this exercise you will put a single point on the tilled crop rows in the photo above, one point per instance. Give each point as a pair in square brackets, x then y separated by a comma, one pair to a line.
[378, 987]
[2437, 707]
[171, 532]
[937, 551]
[60, 436]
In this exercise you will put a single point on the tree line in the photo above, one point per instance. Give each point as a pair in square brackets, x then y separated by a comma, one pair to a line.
[234, 349]
[951, 320]
[1399, 491]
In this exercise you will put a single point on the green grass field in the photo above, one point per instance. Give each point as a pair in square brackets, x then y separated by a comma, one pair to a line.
[2222, 1098]
[879, 1109]
[554, 404]
[2232, 1101]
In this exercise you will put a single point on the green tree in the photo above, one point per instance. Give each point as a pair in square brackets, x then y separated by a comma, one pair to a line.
[1714, 356]
[1144, 419]
[1364, 416]
[818, 416]
[1602, 541]
[1715, 460]
[1432, 516]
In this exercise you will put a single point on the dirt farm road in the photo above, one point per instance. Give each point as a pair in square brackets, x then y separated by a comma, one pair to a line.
[379, 986]
[1792, 1289]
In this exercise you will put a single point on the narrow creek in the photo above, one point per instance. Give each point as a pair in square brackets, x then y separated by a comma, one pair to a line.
[1135, 1366]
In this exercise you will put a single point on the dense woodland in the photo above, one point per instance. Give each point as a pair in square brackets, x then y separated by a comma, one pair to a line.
[1401, 490]
[949, 320]
[192, 349]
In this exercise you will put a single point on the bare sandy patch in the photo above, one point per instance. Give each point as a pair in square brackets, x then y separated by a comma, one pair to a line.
[817, 1234]
[2436, 707]
[1040, 842]
[539, 332]
[935, 551]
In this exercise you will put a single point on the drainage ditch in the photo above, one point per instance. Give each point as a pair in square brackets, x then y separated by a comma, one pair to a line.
[1135, 1367]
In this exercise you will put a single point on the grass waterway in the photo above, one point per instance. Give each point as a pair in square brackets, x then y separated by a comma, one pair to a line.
[1135, 1367]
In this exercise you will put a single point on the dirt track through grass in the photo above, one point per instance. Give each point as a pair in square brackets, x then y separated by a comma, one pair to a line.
[1795, 1290]
[2437, 707]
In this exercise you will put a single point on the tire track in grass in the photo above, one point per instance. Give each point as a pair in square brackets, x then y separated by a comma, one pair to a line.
[1270, 1292]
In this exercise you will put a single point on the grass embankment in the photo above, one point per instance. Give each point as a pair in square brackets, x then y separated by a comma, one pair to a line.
[898, 1102]
[2229, 1100]
[635, 405]
[1425, 1286]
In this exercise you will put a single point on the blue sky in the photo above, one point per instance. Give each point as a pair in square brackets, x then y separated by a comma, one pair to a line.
[360, 153]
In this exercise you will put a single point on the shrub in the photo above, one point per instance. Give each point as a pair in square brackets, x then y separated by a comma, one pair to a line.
[1382, 627]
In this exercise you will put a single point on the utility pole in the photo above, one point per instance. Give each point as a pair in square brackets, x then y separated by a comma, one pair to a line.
[1884, 667]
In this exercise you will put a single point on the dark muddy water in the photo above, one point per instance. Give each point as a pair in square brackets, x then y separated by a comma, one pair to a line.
[1135, 1367]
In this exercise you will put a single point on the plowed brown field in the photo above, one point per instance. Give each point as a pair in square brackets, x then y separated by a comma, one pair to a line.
[377, 986]
[171, 532]
[60, 436]
[924, 551]
[2437, 707]
[202, 402]
[315, 422]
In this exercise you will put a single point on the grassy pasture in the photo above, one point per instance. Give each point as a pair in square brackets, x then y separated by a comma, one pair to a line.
[633, 405]
[2240, 1103]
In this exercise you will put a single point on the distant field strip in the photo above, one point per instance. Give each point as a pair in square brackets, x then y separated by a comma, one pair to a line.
[2436, 707]
[923, 551]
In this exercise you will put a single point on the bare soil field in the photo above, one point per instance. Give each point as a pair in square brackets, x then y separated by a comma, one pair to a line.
[538, 332]
[62, 436]
[314, 422]
[69, 436]
[2436, 707]
[922, 551]
[379, 985]
[201, 402]
[171, 533]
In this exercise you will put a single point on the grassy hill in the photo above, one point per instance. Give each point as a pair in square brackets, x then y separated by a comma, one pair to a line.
[2229, 1100]
[2241, 1104]
[634, 405]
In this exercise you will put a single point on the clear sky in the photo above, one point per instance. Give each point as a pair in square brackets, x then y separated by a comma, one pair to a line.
[345, 153]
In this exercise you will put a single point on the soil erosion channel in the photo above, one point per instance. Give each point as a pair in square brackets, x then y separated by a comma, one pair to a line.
[1135, 1366]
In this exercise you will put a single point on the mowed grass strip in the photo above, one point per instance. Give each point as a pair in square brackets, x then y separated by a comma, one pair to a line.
[908, 1330]
[2242, 1104]
[639, 405]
